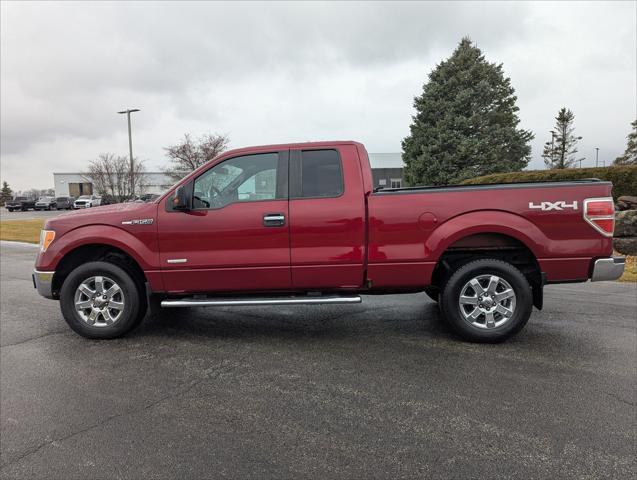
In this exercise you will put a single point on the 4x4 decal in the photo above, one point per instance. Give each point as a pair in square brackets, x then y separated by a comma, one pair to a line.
[559, 205]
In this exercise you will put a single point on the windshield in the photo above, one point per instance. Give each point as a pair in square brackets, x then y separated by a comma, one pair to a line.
[85, 197]
[61, 199]
[44, 199]
[18, 199]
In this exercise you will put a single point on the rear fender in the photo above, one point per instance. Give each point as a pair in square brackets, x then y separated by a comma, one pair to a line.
[485, 221]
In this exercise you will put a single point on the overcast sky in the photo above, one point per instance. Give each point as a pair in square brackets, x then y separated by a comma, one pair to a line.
[278, 72]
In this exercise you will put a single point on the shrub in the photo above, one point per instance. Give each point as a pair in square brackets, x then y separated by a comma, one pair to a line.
[624, 178]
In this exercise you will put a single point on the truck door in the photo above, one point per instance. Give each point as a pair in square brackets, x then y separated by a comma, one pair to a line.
[236, 235]
[327, 218]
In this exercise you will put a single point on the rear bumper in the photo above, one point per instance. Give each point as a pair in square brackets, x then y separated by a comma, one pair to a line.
[43, 283]
[608, 269]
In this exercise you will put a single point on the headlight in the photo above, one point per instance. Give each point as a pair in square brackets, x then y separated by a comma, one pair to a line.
[46, 238]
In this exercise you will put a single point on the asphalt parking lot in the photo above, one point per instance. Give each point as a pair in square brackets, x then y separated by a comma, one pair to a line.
[29, 214]
[377, 390]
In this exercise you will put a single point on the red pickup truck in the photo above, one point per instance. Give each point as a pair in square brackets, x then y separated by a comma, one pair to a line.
[302, 224]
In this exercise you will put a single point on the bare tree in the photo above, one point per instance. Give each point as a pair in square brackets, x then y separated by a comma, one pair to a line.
[110, 175]
[39, 192]
[190, 154]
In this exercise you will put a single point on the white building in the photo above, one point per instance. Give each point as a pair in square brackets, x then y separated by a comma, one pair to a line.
[76, 184]
[386, 168]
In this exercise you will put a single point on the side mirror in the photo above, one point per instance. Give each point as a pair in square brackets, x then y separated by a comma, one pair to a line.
[180, 200]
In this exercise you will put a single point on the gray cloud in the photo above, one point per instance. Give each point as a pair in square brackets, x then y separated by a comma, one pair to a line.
[270, 72]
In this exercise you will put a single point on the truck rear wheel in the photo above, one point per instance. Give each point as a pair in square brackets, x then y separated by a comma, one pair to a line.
[100, 300]
[487, 300]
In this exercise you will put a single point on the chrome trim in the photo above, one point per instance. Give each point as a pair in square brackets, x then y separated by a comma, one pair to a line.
[589, 218]
[487, 301]
[608, 269]
[102, 305]
[273, 220]
[248, 302]
[177, 260]
[43, 282]
[139, 221]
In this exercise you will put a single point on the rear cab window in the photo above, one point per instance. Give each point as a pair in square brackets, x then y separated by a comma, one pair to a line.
[316, 174]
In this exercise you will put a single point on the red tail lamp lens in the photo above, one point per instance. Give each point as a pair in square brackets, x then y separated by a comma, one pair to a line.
[600, 209]
[600, 214]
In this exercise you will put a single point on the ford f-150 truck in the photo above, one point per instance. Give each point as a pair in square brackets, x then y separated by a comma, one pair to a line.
[302, 224]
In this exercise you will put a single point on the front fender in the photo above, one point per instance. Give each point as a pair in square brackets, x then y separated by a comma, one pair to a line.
[142, 246]
[486, 221]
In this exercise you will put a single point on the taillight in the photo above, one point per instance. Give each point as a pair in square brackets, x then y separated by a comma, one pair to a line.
[600, 213]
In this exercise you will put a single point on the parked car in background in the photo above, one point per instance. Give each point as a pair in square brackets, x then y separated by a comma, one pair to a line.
[149, 197]
[145, 198]
[20, 203]
[108, 200]
[64, 203]
[87, 201]
[45, 203]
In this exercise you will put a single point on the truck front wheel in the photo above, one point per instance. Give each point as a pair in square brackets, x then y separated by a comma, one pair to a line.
[100, 300]
[487, 300]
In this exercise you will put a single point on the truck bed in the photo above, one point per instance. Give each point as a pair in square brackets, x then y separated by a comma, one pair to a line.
[447, 188]
[410, 235]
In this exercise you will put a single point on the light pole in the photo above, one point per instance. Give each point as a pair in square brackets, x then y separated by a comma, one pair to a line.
[596, 156]
[130, 150]
[552, 132]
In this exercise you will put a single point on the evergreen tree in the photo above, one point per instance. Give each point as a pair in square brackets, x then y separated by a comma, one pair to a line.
[560, 151]
[465, 124]
[6, 193]
[630, 155]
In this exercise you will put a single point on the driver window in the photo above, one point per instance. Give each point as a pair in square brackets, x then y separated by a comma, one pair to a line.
[241, 179]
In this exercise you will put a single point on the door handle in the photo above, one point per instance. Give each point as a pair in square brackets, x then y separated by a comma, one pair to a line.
[273, 220]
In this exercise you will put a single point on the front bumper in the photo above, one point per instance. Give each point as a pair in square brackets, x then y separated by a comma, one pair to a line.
[608, 269]
[43, 283]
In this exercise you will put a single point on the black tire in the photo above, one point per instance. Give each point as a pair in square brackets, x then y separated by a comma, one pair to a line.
[433, 293]
[452, 290]
[134, 303]
[10, 209]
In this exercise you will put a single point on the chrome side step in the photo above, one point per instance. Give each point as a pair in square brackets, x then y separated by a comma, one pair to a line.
[248, 302]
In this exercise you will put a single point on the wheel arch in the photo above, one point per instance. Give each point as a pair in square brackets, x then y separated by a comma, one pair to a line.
[97, 252]
[487, 243]
[486, 221]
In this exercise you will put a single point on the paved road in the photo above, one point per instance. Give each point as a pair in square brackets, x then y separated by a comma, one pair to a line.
[29, 214]
[379, 390]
